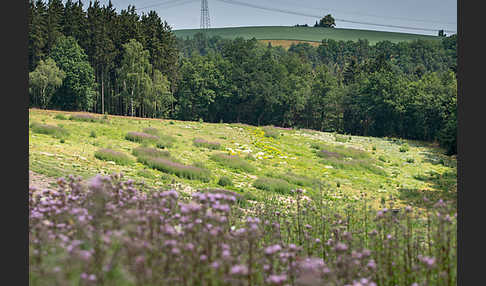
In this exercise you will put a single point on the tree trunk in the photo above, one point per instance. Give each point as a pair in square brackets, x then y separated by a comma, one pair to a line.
[102, 95]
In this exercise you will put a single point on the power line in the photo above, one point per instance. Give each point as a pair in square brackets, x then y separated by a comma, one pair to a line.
[174, 2]
[372, 15]
[319, 16]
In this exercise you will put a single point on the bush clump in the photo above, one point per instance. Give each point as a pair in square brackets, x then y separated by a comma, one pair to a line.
[404, 148]
[180, 170]
[269, 131]
[107, 154]
[199, 142]
[232, 161]
[54, 131]
[273, 185]
[225, 181]
[142, 152]
[141, 137]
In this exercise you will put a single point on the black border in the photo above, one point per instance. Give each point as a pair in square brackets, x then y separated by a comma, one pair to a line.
[14, 89]
[14, 111]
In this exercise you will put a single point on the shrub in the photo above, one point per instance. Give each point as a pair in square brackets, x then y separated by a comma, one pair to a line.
[225, 181]
[165, 141]
[270, 131]
[404, 148]
[232, 161]
[92, 134]
[106, 154]
[273, 185]
[54, 131]
[199, 142]
[374, 148]
[86, 118]
[141, 137]
[142, 151]
[60, 116]
[180, 170]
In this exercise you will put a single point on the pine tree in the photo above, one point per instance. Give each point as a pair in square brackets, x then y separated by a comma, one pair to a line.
[37, 32]
[55, 13]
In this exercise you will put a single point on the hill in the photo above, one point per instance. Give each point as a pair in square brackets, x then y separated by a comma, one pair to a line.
[346, 166]
[307, 34]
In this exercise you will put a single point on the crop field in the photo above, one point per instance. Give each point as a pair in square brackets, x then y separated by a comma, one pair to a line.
[307, 34]
[343, 166]
[232, 204]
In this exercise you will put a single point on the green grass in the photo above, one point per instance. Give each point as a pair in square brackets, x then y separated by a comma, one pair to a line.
[310, 34]
[225, 181]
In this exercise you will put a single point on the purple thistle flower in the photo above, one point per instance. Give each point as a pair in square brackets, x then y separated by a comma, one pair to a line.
[239, 270]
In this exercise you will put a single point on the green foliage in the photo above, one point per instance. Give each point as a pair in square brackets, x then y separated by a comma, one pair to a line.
[232, 161]
[404, 148]
[44, 81]
[273, 185]
[225, 181]
[92, 134]
[77, 91]
[107, 154]
[326, 22]
[55, 131]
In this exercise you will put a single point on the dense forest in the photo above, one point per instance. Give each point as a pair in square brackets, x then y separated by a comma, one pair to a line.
[96, 59]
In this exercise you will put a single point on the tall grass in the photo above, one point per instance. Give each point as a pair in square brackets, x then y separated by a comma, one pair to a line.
[232, 161]
[54, 131]
[295, 179]
[87, 118]
[270, 131]
[143, 151]
[165, 141]
[274, 185]
[141, 137]
[183, 171]
[107, 154]
[199, 142]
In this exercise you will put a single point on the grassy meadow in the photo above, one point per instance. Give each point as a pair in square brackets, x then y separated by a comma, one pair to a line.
[307, 34]
[343, 167]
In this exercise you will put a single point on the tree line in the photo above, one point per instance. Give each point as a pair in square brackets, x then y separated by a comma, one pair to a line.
[123, 63]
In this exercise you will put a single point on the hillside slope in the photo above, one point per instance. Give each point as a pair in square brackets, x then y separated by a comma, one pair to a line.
[347, 166]
[309, 34]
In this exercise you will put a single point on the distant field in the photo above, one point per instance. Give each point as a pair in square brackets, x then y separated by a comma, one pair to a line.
[307, 34]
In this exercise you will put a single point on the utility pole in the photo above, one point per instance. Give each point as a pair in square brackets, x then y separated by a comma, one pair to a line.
[205, 23]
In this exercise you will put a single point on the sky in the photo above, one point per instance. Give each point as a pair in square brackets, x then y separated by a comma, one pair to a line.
[432, 15]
